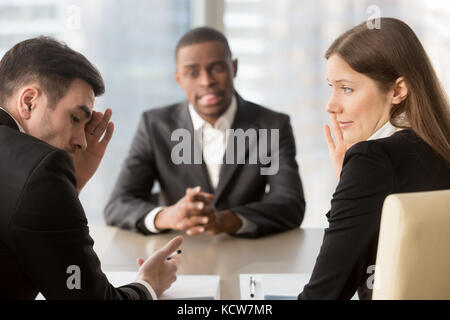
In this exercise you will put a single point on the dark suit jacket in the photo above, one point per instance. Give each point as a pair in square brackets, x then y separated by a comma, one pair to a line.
[43, 228]
[241, 187]
[372, 170]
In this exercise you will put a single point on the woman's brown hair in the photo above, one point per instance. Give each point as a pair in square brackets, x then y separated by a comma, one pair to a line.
[394, 51]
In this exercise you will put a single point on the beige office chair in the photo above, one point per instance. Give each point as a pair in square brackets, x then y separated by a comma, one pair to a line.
[413, 257]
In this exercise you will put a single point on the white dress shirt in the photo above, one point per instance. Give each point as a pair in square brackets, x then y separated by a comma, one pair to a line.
[213, 142]
[148, 287]
[213, 139]
[385, 131]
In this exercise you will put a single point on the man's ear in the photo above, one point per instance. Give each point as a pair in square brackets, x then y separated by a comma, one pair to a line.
[27, 101]
[177, 77]
[400, 90]
[235, 67]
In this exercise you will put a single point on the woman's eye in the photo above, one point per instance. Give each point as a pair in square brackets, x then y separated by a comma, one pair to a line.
[347, 90]
[75, 120]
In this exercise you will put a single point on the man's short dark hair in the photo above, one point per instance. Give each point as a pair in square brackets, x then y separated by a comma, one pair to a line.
[50, 63]
[200, 35]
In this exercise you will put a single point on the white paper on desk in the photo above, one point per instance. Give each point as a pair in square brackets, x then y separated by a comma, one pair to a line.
[278, 286]
[190, 287]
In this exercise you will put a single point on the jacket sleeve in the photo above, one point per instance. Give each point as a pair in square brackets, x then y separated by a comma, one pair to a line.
[283, 207]
[50, 237]
[354, 221]
[130, 201]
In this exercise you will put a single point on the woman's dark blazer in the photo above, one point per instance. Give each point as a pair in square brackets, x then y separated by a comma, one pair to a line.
[371, 171]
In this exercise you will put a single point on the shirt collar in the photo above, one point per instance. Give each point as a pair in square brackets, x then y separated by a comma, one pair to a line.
[224, 122]
[18, 125]
[385, 131]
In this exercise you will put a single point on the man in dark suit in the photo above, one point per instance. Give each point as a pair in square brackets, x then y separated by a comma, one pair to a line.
[204, 188]
[51, 145]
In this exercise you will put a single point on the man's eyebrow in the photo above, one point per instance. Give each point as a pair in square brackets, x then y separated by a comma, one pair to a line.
[87, 112]
[191, 66]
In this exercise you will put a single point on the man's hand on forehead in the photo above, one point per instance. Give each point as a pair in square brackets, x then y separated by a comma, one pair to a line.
[87, 161]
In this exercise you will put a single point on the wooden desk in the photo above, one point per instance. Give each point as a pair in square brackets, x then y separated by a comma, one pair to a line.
[288, 252]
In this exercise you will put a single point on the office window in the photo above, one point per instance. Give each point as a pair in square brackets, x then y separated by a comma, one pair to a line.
[280, 47]
[279, 44]
[131, 43]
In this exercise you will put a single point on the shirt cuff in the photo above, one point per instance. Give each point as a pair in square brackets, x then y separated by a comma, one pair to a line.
[247, 225]
[149, 288]
[149, 220]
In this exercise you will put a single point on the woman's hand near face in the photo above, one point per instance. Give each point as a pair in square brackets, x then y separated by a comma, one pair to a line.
[337, 150]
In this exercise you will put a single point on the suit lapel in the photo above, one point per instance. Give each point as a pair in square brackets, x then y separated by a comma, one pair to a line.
[198, 173]
[7, 120]
[242, 120]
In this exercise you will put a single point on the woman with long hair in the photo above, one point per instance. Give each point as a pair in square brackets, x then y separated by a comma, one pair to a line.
[391, 124]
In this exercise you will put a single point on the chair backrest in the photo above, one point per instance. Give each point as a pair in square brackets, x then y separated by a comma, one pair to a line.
[413, 257]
